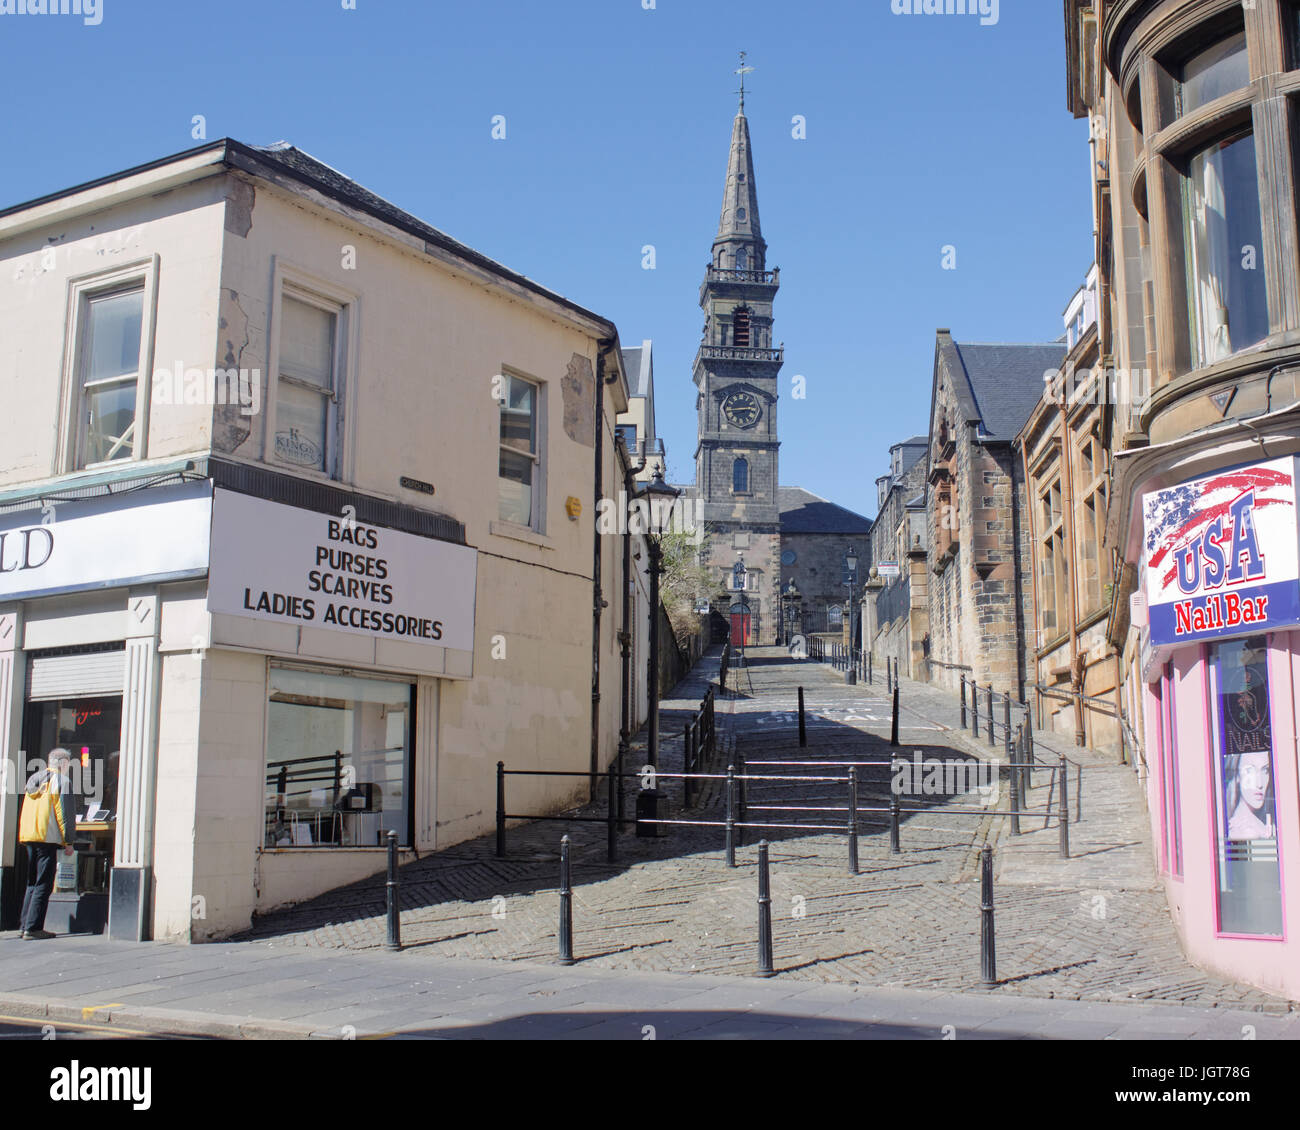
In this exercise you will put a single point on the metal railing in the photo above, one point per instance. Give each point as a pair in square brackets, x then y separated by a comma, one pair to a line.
[736, 821]
[699, 743]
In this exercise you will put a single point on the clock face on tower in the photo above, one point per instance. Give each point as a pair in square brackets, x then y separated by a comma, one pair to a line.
[741, 409]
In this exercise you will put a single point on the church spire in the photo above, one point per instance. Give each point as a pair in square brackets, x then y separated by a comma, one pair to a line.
[739, 234]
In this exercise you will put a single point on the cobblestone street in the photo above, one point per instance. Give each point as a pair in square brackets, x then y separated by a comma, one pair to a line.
[1093, 927]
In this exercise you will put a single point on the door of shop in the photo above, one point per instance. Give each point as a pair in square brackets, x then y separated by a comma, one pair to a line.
[89, 726]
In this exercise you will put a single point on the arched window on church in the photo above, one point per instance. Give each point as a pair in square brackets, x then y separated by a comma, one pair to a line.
[740, 327]
[742, 260]
[740, 476]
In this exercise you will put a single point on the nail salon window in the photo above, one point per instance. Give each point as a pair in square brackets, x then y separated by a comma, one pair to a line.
[1248, 868]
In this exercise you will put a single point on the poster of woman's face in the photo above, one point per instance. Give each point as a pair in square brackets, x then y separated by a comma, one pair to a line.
[1248, 793]
[1246, 753]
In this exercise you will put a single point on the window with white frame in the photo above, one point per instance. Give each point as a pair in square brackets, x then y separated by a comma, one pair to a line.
[519, 463]
[109, 389]
[308, 382]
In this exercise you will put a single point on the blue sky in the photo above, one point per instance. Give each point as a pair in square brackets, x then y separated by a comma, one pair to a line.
[922, 131]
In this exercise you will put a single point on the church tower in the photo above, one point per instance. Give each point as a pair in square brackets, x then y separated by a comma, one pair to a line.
[735, 374]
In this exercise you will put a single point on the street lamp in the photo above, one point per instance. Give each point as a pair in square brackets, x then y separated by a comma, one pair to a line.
[740, 581]
[790, 599]
[655, 491]
[851, 565]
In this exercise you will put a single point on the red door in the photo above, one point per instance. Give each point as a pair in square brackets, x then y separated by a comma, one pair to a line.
[739, 629]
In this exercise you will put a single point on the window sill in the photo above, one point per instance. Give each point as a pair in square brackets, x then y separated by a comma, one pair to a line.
[520, 533]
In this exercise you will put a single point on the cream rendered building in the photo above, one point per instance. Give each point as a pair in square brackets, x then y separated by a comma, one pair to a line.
[283, 612]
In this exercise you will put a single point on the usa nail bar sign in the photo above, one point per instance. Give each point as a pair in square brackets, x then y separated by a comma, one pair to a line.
[1221, 553]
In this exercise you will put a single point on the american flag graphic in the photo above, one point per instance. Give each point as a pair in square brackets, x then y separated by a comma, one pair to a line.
[1176, 515]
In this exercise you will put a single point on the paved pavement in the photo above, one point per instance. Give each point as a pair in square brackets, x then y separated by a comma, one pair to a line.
[1092, 928]
[269, 990]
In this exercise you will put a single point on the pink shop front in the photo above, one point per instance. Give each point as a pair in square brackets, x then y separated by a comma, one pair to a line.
[1217, 664]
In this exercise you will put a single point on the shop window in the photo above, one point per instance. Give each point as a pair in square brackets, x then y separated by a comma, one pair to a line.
[1227, 297]
[1248, 868]
[338, 759]
[519, 474]
[109, 387]
[307, 388]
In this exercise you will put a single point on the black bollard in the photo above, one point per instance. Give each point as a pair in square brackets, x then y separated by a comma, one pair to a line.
[894, 817]
[611, 848]
[394, 909]
[974, 709]
[1065, 808]
[853, 820]
[988, 953]
[501, 809]
[1006, 723]
[963, 702]
[1014, 783]
[764, 915]
[870, 660]
[992, 738]
[566, 905]
[893, 731]
[803, 733]
[731, 816]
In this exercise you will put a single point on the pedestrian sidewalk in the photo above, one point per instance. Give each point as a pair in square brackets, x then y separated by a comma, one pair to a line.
[269, 991]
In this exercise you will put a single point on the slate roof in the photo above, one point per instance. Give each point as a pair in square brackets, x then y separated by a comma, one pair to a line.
[1006, 382]
[306, 169]
[637, 368]
[803, 512]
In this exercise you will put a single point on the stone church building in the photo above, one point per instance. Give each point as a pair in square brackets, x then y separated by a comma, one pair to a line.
[759, 535]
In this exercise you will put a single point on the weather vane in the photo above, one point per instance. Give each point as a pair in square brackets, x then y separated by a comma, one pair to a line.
[742, 71]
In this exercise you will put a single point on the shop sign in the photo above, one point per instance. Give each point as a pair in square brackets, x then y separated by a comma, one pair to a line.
[1221, 554]
[132, 538]
[299, 567]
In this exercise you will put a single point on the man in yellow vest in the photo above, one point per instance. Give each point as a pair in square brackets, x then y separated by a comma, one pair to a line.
[48, 822]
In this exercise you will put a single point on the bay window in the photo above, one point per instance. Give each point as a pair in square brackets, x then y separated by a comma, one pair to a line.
[1226, 294]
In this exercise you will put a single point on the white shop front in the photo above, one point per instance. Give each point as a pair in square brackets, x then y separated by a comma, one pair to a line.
[252, 687]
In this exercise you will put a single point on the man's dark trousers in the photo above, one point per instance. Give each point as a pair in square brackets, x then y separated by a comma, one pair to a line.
[42, 862]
